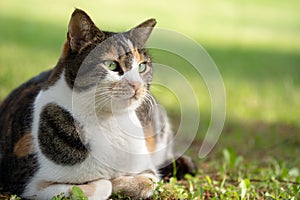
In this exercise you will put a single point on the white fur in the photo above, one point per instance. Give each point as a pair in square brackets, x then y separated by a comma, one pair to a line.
[103, 189]
[129, 43]
[114, 152]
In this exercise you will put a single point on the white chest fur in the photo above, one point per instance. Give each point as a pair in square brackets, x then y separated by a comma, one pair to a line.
[117, 142]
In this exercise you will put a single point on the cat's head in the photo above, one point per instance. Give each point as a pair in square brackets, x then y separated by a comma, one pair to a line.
[115, 65]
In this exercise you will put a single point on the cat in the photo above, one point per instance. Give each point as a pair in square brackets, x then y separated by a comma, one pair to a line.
[68, 125]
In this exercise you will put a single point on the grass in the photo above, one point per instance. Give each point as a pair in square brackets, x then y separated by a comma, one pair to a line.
[230, 176]
[256, 47]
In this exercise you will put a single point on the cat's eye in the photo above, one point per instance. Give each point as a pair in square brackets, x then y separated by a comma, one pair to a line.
[142, 67]
[111, 65]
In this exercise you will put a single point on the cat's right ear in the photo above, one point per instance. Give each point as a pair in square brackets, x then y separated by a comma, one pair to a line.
[81, 31]
[141, 33]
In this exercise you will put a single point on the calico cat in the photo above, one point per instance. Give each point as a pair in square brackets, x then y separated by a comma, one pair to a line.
[68, 126]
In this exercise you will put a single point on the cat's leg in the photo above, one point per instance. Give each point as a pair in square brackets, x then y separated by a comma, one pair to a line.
[136, 187]
[100, 189]
[163, 157]
[184, 165]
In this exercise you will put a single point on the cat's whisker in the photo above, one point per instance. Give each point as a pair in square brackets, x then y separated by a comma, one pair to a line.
[101, 99]
[90, 100]
[103, 94]
[149, 99]
[101, 87]
[101, 104]
[103, 90]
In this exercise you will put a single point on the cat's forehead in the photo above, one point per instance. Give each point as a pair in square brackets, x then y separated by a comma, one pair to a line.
[120, 47]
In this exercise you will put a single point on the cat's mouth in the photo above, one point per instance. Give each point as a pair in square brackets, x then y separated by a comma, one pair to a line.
[131, 95]
[120, 97]
[138, 94]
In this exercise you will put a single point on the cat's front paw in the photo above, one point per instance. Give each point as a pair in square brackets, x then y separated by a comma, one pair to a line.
[135, 187]
[97, 190]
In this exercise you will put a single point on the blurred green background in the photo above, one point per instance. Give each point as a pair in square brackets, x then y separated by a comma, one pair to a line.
[255, 44]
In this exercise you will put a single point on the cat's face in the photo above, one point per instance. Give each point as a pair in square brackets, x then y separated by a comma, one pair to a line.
[126, 74]
[115, 66]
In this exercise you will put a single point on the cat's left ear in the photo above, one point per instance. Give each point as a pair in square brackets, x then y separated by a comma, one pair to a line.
[141, 33]
[81, 30]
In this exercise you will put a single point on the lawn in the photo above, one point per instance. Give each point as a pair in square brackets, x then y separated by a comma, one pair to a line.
[256, 47]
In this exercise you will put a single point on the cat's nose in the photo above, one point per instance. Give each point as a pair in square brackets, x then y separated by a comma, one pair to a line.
[136, 85]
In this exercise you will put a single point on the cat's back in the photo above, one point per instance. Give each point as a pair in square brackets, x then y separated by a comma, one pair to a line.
[16, 146]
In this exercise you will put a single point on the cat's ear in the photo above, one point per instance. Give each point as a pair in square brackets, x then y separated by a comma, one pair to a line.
[141, 33]
[81, 30]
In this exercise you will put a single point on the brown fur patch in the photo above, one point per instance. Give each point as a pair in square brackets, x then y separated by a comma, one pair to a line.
[137, 55]
[43, 184]
[150, 138]
[88, 189]
[24, 146]
[65, 50]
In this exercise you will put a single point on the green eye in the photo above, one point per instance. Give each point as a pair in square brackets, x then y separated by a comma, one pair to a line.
[142, 67]
[111, 65]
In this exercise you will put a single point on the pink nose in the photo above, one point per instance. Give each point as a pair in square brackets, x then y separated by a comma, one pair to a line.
[136, 85]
